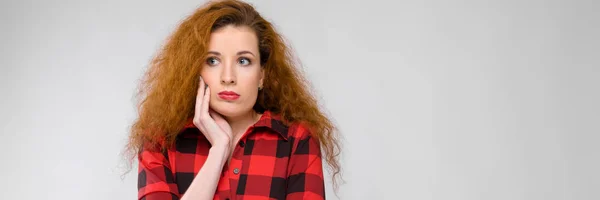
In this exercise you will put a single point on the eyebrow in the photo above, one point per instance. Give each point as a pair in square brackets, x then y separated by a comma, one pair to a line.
[238, 53]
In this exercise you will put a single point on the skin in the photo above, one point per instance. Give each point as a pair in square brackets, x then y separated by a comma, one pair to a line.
[232, 64]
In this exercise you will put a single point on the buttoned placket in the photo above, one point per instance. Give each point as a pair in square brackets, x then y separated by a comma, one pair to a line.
[236, 159]
[234, 170]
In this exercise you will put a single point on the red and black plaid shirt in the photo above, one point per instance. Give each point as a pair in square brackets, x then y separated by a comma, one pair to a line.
[271, 161]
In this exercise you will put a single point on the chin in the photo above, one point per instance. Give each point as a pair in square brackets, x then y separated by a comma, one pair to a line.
[230, 110]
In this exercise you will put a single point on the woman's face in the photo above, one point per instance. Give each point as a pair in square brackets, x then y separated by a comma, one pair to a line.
[232, 70]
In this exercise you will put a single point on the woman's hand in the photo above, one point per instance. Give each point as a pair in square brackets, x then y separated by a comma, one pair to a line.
[211, 124]
[218, 132]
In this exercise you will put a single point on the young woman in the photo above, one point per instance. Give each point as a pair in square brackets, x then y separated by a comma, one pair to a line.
[226, 115]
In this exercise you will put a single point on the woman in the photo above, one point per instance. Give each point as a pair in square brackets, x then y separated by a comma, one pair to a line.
[225, 115]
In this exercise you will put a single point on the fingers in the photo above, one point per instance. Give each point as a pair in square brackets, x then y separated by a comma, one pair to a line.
[199, 96]
[205, 103]
[198, 118]
[215, 115]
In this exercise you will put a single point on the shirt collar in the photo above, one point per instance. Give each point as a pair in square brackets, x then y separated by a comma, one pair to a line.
[268, 120]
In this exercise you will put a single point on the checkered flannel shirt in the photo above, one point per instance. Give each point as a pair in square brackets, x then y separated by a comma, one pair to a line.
[271, 161]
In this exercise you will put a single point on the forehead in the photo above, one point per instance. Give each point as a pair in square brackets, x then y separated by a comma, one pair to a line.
[231, 39]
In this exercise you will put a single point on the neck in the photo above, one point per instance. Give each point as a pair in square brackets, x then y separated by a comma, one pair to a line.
[239, 124]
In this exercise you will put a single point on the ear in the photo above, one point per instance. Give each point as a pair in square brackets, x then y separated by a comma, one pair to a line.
[262, 77]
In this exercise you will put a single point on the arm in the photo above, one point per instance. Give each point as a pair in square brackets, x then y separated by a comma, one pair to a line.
[155, 177]
[305, 180]
[205, 183]
[218, 133]
[156, 182]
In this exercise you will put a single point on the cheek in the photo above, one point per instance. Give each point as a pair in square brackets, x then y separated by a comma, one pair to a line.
[249, 90]
[251, 84]
[209, 78]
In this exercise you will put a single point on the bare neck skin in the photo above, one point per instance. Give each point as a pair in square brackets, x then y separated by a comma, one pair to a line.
[240, 124]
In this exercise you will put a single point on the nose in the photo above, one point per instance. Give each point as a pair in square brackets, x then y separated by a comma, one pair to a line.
[228, 75]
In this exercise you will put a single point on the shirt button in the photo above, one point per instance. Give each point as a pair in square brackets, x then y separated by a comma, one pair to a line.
[242, 144]
[236, 171]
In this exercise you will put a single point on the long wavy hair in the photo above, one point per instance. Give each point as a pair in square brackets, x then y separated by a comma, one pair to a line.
[166, 95]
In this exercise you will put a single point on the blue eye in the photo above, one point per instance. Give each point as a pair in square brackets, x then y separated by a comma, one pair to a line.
[244, 61]
[212, 61]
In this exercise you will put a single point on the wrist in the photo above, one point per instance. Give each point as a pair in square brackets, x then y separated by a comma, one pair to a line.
[220, 149]
[221, 143]
[220, 152]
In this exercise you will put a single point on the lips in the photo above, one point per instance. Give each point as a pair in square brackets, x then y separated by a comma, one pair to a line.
[228, 95]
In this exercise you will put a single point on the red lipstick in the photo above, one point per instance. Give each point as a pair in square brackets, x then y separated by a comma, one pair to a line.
[228, 95]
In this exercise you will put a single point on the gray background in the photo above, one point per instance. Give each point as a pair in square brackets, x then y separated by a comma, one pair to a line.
[435, 99]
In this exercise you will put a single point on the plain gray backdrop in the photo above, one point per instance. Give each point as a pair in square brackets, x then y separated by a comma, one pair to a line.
[435, 99]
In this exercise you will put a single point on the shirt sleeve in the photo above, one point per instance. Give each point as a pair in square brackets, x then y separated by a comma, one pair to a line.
[155, 177]
[305, 179]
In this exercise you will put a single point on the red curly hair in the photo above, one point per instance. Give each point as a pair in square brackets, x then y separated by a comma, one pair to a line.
[167, 93]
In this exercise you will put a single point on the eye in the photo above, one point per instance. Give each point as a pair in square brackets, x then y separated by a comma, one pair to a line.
[244, 61]
[212, 61]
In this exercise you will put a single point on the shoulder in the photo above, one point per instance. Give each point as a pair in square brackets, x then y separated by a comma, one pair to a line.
[303, 139]
[299, 130]
[293, 130]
